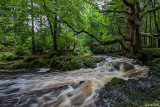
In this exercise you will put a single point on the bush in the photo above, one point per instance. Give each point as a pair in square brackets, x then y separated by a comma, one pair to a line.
[83, 50]
[19, 51]
[9, 57]
[2, 48]
[52, 52]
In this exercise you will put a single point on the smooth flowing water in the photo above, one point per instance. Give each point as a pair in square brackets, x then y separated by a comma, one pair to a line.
[65, 89]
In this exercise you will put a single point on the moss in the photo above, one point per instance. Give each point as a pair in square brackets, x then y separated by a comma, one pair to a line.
[156, 92]
[34, 63]
[41, 62]
[29, 58]
[98, 59]
[119, 81]
[89, 63]
[114, 83]
[63, 63]
[71, 65]
[21, 65]
[71, 62]
[5, 64]
[131, 104]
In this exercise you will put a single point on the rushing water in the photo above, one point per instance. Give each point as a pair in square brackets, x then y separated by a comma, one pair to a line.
[65, 89]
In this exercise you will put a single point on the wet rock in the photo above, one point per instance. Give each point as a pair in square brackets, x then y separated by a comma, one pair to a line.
[12, 91]
[81, 82]
[116, 66]
[137, 62]
[83, 65]
[74, 86]
[144, 84]
[102, 71]
[119, 92]
[111, 69]
[127, 67]
[129, 73]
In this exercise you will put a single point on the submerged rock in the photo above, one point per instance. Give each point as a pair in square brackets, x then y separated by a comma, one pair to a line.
[127, 67]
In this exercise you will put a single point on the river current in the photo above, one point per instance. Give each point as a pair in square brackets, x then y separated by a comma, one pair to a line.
[77, 88]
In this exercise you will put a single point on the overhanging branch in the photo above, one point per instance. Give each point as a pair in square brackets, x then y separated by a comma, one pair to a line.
[142, 10]
[128, 4]
[149, 11]
[151, 35]
[114, 11]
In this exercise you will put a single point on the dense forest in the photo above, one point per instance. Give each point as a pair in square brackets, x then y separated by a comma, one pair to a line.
[43, 26]
[83, 37]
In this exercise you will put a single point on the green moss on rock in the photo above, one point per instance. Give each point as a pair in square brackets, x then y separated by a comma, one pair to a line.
[62, 63]
[72, 62]
[29, 58]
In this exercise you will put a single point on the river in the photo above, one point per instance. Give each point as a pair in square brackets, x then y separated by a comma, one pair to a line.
[66, 89]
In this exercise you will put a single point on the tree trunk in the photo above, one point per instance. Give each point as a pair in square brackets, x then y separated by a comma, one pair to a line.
[156, 25]
[51, 28]
[138, 41]
[132, 39]
[32, 15]
[154, 13]
[55, 34]
[123, 46]
[75, 43]
[146, 30]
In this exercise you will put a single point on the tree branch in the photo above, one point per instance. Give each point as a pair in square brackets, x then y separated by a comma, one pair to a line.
[114, 11]
[149, 11]
[83, 31]
[127, 4]
[150, 35]
[142, 10]
[122, 35]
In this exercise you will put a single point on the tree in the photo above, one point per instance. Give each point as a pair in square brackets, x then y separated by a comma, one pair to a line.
[133, 14]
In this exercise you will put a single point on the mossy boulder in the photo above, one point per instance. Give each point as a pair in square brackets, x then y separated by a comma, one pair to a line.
[64, 63]
[60, 63]
[119, 92]
[30, 62]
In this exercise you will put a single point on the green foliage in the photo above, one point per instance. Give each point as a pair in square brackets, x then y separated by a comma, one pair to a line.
[73, 16]
[83, 50]
[52, 52]
[19, 51]
[9, 57]
[2, 47]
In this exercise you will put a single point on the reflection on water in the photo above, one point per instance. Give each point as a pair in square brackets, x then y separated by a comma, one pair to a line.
[66, 89]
